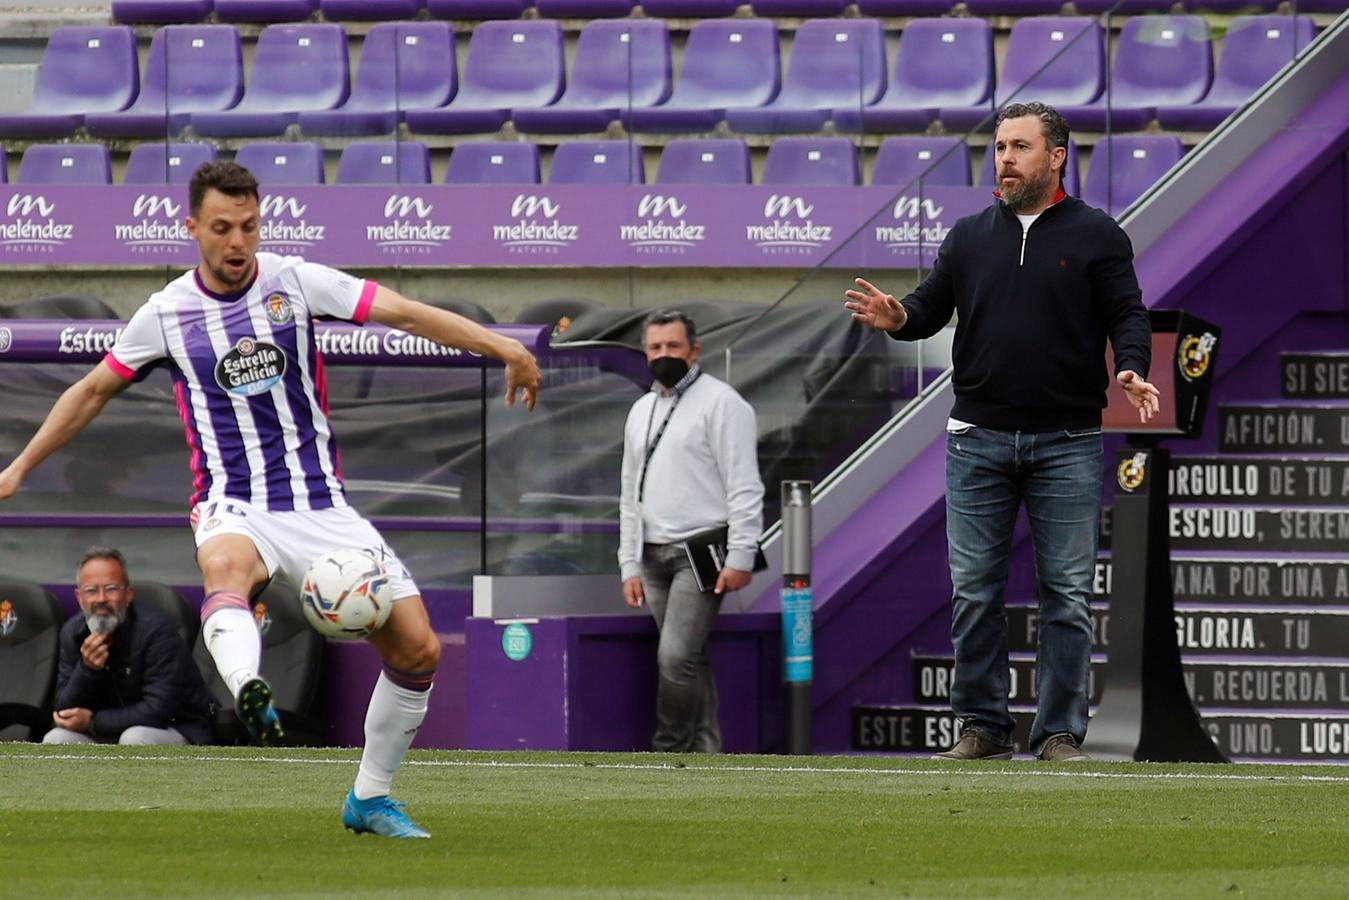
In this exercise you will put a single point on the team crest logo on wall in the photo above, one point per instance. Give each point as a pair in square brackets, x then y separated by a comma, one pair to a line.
[278, 308]
[1132, 472]
[1195, 354]
[262, 617]
[9, 619]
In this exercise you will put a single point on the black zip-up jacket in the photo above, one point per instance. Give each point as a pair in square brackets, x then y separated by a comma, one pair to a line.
[1033, 315]
[150, 679]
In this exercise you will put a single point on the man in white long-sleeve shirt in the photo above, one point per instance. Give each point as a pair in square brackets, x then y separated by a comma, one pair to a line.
[690, 466]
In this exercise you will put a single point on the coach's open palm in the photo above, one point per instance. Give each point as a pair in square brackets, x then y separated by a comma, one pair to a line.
[870, 306]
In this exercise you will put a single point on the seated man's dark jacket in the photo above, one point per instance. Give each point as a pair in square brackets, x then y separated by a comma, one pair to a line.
[150, 679]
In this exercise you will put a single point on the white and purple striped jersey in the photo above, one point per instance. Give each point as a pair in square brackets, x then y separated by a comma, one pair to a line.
[248, 379]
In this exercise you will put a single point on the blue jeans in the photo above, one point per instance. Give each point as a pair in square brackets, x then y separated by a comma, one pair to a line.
[1057, 475]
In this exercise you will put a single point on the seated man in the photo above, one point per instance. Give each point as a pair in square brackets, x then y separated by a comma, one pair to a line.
[125, 676]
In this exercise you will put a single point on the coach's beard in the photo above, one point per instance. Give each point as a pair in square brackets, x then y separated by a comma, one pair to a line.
[1028, 192]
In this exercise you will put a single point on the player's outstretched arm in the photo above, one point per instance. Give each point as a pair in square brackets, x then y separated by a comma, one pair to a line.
[76, 408]
[453, 330]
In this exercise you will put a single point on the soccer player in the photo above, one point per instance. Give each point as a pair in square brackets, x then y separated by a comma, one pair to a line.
[237, 334]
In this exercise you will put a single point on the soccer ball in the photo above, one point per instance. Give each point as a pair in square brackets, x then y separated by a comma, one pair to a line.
[346, 594]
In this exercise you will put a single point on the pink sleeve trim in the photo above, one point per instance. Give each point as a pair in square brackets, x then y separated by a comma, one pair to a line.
[122, 371]
[367, 300]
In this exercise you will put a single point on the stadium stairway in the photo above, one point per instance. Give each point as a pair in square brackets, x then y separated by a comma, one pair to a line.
[1250, 235]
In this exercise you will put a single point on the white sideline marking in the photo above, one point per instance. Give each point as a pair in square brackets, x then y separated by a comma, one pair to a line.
[768, 770]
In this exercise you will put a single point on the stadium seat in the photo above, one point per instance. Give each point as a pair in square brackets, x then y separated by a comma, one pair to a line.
[1159, 61]
[803, 8]
[4, 169]
[904, 7]
[477, 9]
[585, 9]
[1014, 7]
[689, 9]
[617, 65]
[190, 68]
[295, 68]
[83, 70]
[493, 162]
[1071, 171]
[1069, 49]
[265, 10]
[1124, 166]
[274, 163]
[557, 313]
[699, 161]
[292, 663]
[404, 65]
[384, 162]
[63, 307]
[597, 162]
[165, 163]
[511, 65]
[936, 160]
[1254, 50]
[834, 63]
[174, 607]
[811, 160]
[65, 164]
[370, 10]
[940, 62]
[1124, 7]
[30, 623]
[160, 12]
[726, 63]
[1234, 6]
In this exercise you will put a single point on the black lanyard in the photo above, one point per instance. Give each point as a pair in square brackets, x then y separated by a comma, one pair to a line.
[650, 443]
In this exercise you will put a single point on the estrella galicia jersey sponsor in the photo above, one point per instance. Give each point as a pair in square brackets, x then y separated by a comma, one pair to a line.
[249, 380]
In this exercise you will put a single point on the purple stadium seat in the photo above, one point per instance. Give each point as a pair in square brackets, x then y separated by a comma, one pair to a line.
[1159, 61]
[771, 8]
[493, 162]
[689, 9]
[83, 70]
[65, 164]
[835, 63]
[511, 65]
[1255, 49]
[584, 9]
[904, 7]
[4, 169]
[1014, 7]
[477, 9]
[936, 160]
[696, 161]
[597, 162]
[190, 68]
[404, 65]
[384, 162]
[136, 12]
[370, 10]
[1123, 166]
[1069, 49]
[1233, 6]
[295, 68]
[273, 162]
[265, 10]
[940, 62]
[156, 163]
[1125, 7]
[811, 160]
[1071, 171]
[726, 63]
[617, 65]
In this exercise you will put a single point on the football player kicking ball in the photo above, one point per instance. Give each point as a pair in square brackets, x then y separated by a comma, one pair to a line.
[237, 334]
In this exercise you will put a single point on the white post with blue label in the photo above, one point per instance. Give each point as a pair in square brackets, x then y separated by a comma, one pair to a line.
[798, 654]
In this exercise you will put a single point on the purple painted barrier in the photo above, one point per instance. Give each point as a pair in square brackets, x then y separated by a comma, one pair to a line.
[458, 225]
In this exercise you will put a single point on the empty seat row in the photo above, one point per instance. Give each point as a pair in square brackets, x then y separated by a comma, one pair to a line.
[183, 11]
[1132, 163]
[943, 69]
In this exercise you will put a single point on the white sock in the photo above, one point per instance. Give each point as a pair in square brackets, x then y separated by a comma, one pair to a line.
[235, 645]
[391, 722]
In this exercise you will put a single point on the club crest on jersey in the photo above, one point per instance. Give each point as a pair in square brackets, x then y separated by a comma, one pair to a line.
[252, 367]
[278, 308]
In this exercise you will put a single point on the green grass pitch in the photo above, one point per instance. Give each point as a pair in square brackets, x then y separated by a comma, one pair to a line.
[143, 822]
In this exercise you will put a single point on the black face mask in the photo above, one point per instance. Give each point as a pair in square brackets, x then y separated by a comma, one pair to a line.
[668, 370]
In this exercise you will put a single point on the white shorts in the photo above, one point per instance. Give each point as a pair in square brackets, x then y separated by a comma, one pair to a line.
[288, 540]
